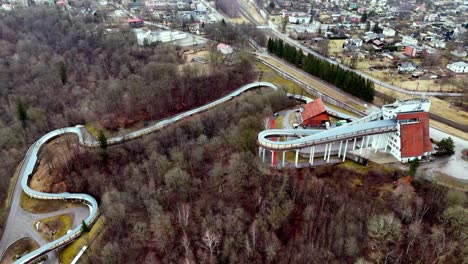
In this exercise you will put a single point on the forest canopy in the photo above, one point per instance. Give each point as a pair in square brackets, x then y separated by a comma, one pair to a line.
[58, 69]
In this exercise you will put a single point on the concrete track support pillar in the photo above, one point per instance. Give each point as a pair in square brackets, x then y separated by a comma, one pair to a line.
[284, 156]
[368, 138]
[386, 144]
[263, 155]
[311, 158]
[297, 157]
[354, 144]
[362, 145]
[339, 150]
[377, 144]
[329, 152]
[325, 153]
[345, 148]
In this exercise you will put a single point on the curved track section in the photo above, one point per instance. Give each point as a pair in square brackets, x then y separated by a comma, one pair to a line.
[30, 162]
[308, 138]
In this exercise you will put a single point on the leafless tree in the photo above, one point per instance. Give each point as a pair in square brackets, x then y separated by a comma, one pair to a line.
[229, 7]
[211, 242]
[183, 215]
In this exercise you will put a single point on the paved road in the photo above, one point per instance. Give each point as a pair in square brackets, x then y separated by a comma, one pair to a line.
[297, 44]
[272, 29]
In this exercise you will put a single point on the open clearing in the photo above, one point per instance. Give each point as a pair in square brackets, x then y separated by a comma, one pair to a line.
[69, 252]
[54, 227]
[55, 154]
[18, 249]
[314, 82]
[439, 106]
[37, 206]
[269, 75]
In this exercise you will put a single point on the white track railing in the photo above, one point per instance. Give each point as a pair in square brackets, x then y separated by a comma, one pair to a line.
[31, 158]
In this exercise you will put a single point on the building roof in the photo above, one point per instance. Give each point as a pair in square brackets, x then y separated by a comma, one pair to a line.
[223, 46]
[460, 64]
[134, 20]
[312, 109]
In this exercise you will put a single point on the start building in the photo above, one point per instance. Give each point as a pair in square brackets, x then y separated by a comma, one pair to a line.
[411, 140]
[314, 113]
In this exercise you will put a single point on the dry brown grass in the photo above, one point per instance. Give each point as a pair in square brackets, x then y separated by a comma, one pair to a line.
[451, 182]
[448, 129]
[18, 249]
[54, 154]
[321, 86]
[439, 107]
[54, 227]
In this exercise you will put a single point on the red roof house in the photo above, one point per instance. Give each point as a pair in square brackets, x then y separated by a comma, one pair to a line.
[314, 113]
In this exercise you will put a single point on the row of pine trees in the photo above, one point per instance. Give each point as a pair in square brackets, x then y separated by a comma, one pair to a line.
[344, 79]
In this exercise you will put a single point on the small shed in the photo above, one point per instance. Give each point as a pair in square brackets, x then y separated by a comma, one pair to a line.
[314, 113]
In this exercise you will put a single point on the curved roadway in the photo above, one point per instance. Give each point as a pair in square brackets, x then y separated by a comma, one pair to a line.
[30, 161]
[307, 138]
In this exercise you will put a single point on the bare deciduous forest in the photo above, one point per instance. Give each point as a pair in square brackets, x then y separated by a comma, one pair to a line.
[58, 70]
[196, 192]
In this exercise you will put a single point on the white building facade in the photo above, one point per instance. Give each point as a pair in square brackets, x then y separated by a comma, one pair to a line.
[458, 67]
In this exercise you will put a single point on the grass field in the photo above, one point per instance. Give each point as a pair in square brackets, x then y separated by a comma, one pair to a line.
[291, 157]
[439, 106]
[269, 75]
[279, 122]
[68, 253]
[11, 187]
[336, 46]
[449, 129]
[451, 182]
[292, 118]
[316, 83]
[37, 206]
[54, 227]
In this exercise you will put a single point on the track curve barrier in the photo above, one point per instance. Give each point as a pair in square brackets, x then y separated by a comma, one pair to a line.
[369, 125]
[30, 162]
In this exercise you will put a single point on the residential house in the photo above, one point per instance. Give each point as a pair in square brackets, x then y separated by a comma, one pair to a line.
[299, 19]
[147, 37]
[412, 51]
[459, 53]
[428, 52]
[418, 24]
[370, 36]
[357, 42]
[438, 43]
[406, 67]
[389, 32]
[378, 45]
[458, 67]
[224, 48]
[407, 40]
[431, 17]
